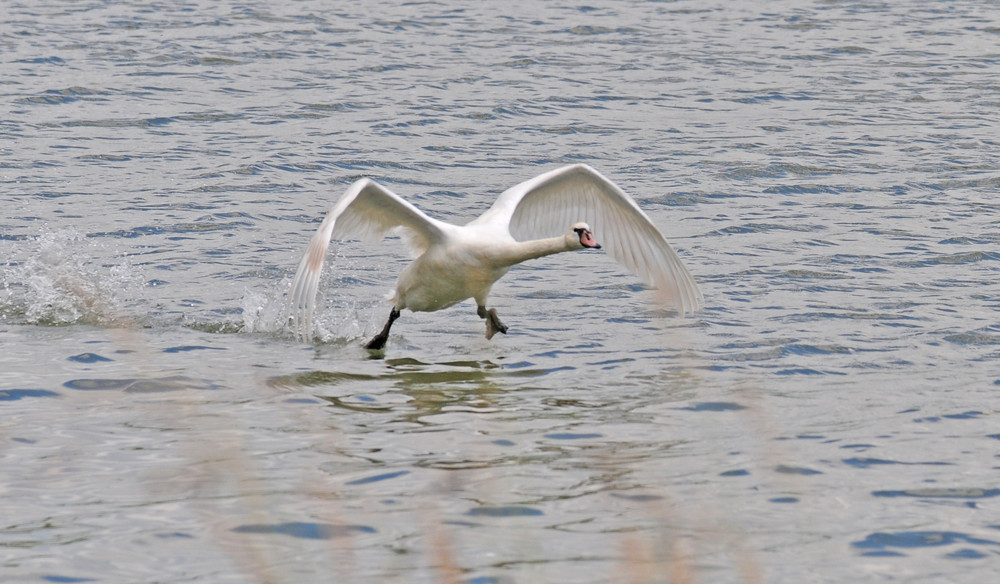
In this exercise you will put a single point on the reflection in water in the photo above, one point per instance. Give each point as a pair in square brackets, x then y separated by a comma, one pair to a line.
[429, 388]
[156, 385]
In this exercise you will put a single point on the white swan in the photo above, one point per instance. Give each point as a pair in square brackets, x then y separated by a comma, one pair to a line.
[455, 262]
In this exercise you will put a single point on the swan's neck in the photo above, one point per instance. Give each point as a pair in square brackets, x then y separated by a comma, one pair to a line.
[522, 251]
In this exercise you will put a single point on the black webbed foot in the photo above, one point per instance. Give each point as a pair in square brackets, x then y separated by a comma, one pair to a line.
[378, 342]
[493, 323]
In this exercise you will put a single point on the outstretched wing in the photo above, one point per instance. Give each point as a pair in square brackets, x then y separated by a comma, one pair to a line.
[366, 211]
[549, 204]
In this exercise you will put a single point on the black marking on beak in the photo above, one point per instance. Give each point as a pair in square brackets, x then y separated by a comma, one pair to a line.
[580, 231]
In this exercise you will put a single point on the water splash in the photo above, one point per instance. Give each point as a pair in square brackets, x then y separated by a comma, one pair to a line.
[58, 278]
[345, 322]
[266, 312]
[263, 312]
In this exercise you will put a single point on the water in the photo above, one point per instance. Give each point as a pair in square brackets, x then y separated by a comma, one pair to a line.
[827, 170]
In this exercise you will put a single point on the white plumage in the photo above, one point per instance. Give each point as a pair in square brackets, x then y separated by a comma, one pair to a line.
[454, 263]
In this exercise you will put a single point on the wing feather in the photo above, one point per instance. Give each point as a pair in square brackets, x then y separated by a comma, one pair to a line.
[366, 211]
[548, 204]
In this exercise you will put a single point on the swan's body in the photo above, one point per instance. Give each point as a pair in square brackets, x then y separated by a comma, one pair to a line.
[454, 263]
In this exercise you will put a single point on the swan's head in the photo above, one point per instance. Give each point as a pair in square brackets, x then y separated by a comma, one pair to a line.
[580, 233]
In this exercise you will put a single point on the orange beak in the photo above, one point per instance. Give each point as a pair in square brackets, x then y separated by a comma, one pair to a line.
[587, 239]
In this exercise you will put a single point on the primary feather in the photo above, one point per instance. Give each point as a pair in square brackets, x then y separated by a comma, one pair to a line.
[544, 205]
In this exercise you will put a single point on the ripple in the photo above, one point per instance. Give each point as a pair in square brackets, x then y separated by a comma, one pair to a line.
[190, 348]
[378, 478]
[981, 337]
[762, 228]
[572, 436]
[808, 350]
[941, 493]
[63, 96]
[304, 530]
[506, 511]
[970, 257]
[800, 274]
[88, 358]
[796, 470]
[154, 385]
[16, 394]
[639, 498]
[918, 539]
[807, 371]
[715, 407]
[869, 462]
[808, 189]
[970, 415]
[774, 96]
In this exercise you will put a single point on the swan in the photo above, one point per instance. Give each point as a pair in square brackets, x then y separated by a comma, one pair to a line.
[457, 262]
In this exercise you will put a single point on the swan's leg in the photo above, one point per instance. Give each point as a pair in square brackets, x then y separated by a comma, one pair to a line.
[493, 324]
[379, 341]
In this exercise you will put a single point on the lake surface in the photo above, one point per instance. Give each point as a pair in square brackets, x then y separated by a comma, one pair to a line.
[828, 171]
